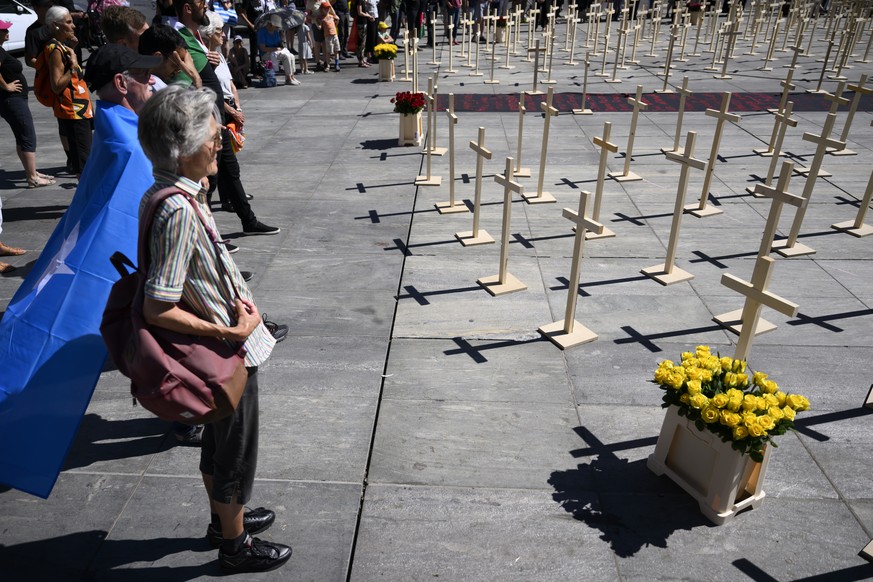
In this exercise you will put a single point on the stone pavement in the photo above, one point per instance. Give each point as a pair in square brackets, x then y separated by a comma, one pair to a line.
[416, 428]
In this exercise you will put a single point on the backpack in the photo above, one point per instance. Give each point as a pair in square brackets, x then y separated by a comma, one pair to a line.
[42, 83]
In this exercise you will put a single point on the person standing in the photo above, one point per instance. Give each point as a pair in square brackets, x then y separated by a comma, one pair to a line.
[181, 137]
[15, 110]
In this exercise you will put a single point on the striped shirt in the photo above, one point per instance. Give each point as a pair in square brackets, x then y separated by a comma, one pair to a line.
[183, 263]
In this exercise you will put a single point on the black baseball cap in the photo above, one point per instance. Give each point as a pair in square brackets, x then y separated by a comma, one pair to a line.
[112, 59]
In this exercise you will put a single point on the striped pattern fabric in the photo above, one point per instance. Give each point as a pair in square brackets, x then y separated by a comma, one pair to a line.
[183, 263]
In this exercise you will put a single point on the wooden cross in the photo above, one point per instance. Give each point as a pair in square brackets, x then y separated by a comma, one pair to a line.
[779, 196]
[582, 109]
[857, 227]
[504, 282]
[433, 91]
[477, 236]
[859, 90]
[519, 171]
[731, 34]
[627, 175]
[568, 332]
[606, 148]
[451, 68]
[668, 273]
[451, 207]
[536, 68]
[428, 179]
[747, 322]
[702, 209]
[790, 247]
[783, 121]
[674, 34]
[836, 98]
[684, 92]
[541, 197]
[779, 117]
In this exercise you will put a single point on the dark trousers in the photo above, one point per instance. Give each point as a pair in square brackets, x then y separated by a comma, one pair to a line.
[230, 188]
[78, 134]
[342, 30]
[229, 451]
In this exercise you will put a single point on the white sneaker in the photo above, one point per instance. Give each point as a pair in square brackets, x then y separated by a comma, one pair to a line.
[292, 81]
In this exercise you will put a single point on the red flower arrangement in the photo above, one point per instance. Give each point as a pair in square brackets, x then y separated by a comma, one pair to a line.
[408, 103]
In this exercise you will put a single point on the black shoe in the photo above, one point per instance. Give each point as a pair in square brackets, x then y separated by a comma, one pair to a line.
[259, 227]
[247, 275]
[231, 249]
[227, 207]
[191, 436]
[277, 330]
[249, 197]
[254, 521]
[256, 556]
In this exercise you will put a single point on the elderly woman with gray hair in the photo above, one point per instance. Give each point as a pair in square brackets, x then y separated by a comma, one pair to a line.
[213, 36]
[185, 291]
[72, 103]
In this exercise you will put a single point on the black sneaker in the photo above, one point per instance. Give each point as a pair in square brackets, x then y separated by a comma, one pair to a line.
[191, 436]
[254, 522]
[277, 330]
[259, 227]
[247, 275]
[231, 249]
[255, 556]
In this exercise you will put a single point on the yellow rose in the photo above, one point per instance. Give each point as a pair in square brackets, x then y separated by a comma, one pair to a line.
[684, 399]
[702, 351]
[780, 397]
[707, 376]
[776, 413]
[758, 378]
[709, 414]
[730, 379]
[694, 387]
[735, 403]
[788, 412]
[740, 432]
[769, 386]
[726, 363]
[729, 419]
[687, 355]
[676, 379]
[766, 422]
[750, 402]
[797, 402]
[742, 380]
[771, 400]
[760, 403]
[720, 400]
[739, 366]
[694, 373]
[698, 401]
[755, 430]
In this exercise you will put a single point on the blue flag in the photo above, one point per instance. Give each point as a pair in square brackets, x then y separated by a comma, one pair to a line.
[50, 342]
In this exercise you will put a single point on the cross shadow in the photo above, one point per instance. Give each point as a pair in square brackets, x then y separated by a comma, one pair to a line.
[850, 574]
[822, 320]
[380, 144]
[645, 340]
[99, 439]
[52, 212]
[802, 425]
[465, 347]
[89, 556]
[612, 502]
[421, 297]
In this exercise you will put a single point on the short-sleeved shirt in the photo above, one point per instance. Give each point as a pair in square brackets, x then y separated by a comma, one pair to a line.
[35, 38]
[329, 25]
[11, 70]
[74, 102]
[183, 263]
[270, 39]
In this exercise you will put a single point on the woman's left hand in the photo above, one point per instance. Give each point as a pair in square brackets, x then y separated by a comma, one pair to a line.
[214, 58]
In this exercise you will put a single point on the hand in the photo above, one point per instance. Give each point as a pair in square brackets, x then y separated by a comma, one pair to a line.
[239, 116]
[248, 318]
[214, 58]
[14, 87]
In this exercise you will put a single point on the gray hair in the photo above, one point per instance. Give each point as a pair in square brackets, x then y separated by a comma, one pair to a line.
[55, 14]
[175, 123]
[215, 23]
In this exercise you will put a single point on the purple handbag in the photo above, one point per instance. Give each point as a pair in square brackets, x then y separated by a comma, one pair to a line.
[176, 376]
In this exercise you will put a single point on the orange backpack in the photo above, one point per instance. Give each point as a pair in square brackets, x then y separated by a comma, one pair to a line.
[42, 83]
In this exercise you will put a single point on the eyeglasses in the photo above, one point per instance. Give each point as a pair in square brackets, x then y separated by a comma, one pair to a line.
[217, 138]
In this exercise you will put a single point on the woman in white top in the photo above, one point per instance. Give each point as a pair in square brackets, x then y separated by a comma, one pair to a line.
[213, 37]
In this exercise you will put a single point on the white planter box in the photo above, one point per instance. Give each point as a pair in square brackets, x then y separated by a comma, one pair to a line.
[410, 130]
[722, 480]
[386, 69]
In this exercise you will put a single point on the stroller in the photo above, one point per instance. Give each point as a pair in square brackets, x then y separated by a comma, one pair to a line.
[90, 32]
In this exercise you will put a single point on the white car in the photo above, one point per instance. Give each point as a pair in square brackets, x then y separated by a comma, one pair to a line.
[21, 17]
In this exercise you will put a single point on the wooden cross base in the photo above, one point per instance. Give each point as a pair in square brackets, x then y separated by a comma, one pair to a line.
[425, 181]
[591, 235]
[449, 208]
[521, 173]
[555, 333]
[733, 322]
[708, 210]
[585, 111]
[868, 403]
[467, 239]
[842, 152]
[532, 92]
[821, 173]
[763, 152]
[722, 77]
[798, 250]
[659, 273]
[629, 177]
[495, 287]
[849, 228]
[541, 198]
[435, 151]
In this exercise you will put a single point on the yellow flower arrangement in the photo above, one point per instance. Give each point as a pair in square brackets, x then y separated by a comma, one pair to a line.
[385, 51]
[719, 395]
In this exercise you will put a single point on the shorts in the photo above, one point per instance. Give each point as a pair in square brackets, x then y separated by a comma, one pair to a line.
[17, 114]
[229, 451]
[333, 45]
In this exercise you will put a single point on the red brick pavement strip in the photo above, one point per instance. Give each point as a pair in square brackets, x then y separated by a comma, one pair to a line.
[658, 102]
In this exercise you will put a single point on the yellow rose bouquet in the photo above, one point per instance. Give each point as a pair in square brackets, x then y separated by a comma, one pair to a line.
[718, 394]
[385, 51]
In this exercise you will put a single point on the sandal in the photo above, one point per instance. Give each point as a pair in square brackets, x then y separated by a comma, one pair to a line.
[45, 176]
[7, 251]
[40, 182]
[6, 268]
